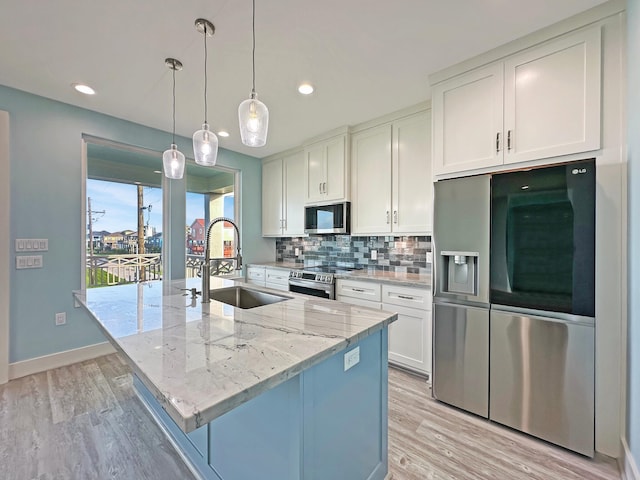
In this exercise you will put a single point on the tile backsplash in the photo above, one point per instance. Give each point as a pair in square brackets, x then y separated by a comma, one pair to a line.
[399, 254]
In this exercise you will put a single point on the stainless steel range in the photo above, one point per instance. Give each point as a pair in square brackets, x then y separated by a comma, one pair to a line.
[317, 281]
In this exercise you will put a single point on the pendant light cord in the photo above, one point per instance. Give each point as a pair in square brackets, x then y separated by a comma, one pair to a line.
[205, 73]
[173, 135]
[253, 53]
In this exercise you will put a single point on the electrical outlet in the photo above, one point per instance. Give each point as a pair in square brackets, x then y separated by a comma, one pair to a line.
[351, 358]
[374, 254]
[429, 257]
[61, 318]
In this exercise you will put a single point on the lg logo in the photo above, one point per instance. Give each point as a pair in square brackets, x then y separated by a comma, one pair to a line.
[578, 171]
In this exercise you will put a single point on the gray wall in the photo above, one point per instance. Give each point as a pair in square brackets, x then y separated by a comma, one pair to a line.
[633, 338]
[46, 202]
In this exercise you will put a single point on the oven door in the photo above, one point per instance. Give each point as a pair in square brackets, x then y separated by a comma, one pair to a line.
[308, 287]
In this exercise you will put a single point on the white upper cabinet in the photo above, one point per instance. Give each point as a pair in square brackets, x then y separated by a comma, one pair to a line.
[412, 184]
[326, 171]
[371, 180]
[552, 98]
[467, 121]
[283, 196]
[272, 198]
[543, 102]
[391, 177]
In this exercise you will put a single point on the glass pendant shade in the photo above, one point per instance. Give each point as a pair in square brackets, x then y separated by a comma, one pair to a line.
[173, 162]
[254, 121]
[205, 146]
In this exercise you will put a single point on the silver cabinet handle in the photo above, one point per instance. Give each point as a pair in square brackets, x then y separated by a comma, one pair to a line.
[498, 142]
[406, 297]
[284, 223]
[509, 140]
[387, 217]
[357, 290]
[395, 217]
[324, 187]
[320, 187]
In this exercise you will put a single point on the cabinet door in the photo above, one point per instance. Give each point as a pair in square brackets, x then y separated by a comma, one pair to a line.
[293, 195]
[272, 203]
[334, 186]
[410, 338]
[359, 302]
[315, 172]
[412, 183]
[552, 98]
[371, 184]
[467, 121]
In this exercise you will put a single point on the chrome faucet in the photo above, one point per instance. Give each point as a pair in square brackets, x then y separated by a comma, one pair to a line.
[206, 268]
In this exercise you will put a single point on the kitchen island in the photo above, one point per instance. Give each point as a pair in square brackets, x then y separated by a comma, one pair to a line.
[292, 390]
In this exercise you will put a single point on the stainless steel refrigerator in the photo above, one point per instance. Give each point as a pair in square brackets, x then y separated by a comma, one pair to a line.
[514, 300]
[461, 293]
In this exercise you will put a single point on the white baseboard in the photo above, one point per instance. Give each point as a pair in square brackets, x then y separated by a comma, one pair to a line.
[628, 466]
[55, 360]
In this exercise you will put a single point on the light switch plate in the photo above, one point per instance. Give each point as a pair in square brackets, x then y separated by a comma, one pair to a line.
[28, 261]
[351, 358]
[374, 254]
[32, 245]
[429, 257]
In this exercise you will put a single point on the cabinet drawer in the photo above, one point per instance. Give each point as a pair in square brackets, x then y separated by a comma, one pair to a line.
[277, 276]
[407, 296]
[255, 273]
[362, 290]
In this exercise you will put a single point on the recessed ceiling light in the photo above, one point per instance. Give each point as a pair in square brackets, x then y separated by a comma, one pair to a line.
[137, 183]
[305, 88]
[223, 133]
[86, 89]
[157, 171]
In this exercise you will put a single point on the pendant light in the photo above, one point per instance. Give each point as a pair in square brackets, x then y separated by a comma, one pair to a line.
[252, 113]
[205, 142]
[173, 159]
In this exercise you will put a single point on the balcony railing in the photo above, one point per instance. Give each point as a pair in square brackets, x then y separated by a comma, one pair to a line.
[219, 266]
[104, 270]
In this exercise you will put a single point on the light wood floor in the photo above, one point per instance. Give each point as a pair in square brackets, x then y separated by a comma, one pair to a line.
[85, 422]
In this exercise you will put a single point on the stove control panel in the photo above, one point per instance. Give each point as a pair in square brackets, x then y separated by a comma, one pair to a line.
[315, 277]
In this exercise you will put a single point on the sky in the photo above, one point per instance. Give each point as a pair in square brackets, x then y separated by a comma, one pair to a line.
[119, 202]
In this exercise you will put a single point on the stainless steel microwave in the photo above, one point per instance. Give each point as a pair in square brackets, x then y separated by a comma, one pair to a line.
[323, 219]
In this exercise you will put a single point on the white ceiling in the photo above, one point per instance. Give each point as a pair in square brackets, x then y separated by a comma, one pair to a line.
[366, 58]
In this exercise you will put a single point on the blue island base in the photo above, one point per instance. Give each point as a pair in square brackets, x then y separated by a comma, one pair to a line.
[325, 423]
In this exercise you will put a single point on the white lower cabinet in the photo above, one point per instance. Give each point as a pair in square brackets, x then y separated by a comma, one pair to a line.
[276, 278]
[410, 335]
[256, 275]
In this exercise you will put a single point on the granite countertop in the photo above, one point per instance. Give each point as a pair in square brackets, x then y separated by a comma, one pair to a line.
[201, 361]
[367, 274]
[283, 265]
[397, 278]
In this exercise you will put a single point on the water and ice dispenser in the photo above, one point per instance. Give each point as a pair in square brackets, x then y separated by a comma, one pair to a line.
[461, 272]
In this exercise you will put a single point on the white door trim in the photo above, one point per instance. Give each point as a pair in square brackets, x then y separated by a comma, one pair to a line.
[5, 245]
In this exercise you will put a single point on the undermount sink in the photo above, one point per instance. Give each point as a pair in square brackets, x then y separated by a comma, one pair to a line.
[242, 297]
